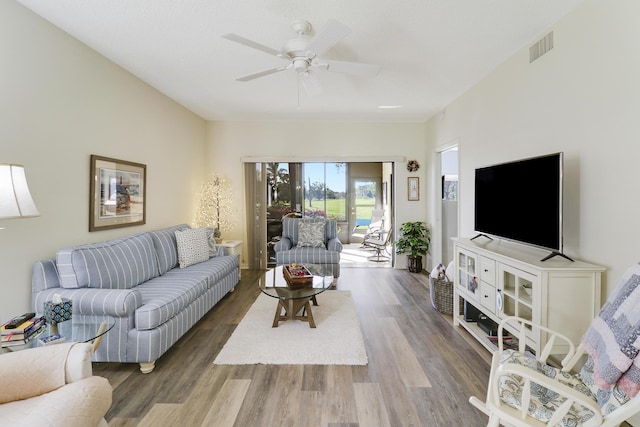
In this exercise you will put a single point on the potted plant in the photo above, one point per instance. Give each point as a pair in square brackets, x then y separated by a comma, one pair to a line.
[413, 239]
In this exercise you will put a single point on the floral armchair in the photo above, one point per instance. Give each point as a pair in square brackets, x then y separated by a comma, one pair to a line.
[310, 241]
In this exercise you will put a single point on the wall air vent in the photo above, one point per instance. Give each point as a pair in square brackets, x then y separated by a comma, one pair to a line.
[541, 47]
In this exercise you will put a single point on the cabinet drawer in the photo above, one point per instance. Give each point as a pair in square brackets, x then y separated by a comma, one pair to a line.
[488, 297]
[488, 270]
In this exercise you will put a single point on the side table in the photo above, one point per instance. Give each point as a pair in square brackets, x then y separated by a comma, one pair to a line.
[234, 247]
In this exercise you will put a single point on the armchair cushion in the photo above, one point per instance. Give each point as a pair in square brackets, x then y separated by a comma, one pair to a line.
[544, 402]
[609, 400]
[290, 228]
[311, 234]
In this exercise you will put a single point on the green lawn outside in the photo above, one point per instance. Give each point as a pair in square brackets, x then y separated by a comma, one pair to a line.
[336, 207]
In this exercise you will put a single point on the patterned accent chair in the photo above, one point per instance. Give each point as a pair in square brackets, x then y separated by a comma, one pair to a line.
[310, 241]
[526, 391]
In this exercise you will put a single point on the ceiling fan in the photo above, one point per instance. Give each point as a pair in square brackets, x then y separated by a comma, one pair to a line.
[303, 55]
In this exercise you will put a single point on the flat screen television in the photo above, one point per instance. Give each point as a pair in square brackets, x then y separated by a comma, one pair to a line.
[522, 201]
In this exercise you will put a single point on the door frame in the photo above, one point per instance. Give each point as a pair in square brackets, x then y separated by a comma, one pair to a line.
[437, 232]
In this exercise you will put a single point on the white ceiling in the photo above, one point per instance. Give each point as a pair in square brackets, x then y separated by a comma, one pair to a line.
[430, 51]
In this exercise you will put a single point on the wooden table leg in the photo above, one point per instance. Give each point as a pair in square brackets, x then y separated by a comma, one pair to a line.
[277, 317]
[291, 308]
[312, 323]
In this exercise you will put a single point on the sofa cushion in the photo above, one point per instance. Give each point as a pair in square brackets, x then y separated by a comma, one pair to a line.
[115, 264]
[166, 248]
[165, 296]
[193, 246]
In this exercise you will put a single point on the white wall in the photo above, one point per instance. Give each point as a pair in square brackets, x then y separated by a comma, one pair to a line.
[60, 103]
[333, 141]
[582, 98]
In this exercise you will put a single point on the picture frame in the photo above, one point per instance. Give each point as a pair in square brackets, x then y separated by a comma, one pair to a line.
[117, 193]
[413, 188]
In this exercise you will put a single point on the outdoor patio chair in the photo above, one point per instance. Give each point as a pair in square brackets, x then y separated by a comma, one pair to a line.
[379, 245]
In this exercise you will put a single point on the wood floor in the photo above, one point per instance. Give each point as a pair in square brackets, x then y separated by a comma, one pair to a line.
[421, 370]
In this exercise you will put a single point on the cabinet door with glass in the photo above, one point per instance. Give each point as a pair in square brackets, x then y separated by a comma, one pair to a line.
[467, 279]
[518, 295]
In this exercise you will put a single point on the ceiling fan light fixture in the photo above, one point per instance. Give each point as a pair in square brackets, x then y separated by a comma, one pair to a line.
[300, 65]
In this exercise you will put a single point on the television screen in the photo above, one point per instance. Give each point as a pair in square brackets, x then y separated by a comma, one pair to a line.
[522, 201]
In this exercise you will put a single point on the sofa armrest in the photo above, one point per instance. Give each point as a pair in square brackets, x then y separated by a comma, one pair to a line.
[334, 245]
[110, 302]
[283, 245]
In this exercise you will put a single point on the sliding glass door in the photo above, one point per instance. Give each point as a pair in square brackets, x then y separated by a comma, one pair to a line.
[310, 189]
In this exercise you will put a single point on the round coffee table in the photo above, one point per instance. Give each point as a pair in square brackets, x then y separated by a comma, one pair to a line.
[295, 300]
[80, 328]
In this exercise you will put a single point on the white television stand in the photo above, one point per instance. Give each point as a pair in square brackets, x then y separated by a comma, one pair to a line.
[501, 279]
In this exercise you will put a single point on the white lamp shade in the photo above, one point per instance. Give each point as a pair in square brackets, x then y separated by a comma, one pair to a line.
[15, 198]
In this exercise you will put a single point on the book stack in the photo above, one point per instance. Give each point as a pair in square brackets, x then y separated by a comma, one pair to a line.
[23, 333]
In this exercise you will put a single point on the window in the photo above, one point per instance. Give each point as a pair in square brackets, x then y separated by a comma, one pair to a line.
[325, 190]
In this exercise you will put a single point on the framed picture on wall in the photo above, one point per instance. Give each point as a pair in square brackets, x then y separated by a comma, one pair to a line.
[118, 193]
[413, 188]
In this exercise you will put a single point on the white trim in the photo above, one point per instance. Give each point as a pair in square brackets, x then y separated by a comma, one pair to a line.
[323, 159]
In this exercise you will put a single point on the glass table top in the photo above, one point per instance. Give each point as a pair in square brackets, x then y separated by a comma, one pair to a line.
[81, 328]
[275, 285]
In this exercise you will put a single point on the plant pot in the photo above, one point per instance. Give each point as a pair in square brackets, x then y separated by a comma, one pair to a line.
[414, 263]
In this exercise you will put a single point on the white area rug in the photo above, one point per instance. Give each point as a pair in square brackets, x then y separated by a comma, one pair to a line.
[336, 340]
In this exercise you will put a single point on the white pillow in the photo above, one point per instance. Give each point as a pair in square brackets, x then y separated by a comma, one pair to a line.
[311, 234]
[193, 246]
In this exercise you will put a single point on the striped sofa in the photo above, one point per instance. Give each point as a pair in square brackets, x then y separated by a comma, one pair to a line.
[137, 281]
[289, 248]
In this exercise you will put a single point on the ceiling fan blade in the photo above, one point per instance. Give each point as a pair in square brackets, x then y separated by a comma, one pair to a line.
[250, 43]
[261, 74]
[310, 82]
[354, 68]
[331, 34]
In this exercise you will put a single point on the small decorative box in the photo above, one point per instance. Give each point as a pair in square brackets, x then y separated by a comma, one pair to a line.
[57, 312]
[297, 276]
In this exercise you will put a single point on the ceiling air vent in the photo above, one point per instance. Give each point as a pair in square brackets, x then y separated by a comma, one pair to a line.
[541, 47]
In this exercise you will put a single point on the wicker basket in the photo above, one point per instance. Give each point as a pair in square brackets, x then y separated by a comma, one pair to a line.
[442, 296]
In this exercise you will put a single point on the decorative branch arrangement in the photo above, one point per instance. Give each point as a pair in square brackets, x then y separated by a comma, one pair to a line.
[215, 205]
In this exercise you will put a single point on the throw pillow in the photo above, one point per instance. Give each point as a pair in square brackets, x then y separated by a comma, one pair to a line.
[193, 246]
[311, 234]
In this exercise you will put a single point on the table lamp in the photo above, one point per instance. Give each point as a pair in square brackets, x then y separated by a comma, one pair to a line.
[15, 198]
